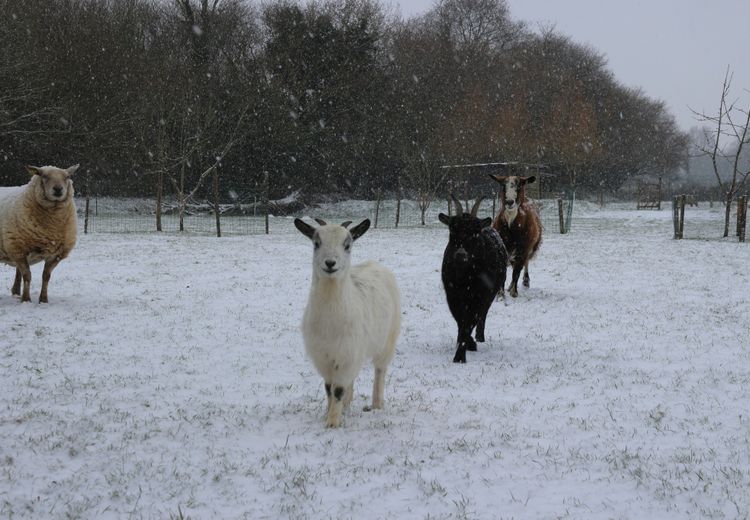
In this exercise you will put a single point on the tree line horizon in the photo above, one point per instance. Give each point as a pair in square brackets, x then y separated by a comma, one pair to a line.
[334, 96]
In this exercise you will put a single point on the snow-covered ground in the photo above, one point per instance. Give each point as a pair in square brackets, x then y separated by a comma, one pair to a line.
[167, 377]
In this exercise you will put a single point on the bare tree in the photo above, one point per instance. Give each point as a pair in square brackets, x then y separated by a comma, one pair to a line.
[725, 144]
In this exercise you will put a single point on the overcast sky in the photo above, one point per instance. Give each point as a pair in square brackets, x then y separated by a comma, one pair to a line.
[675, 50]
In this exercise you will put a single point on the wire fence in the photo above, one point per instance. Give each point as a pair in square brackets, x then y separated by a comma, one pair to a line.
[128, 215]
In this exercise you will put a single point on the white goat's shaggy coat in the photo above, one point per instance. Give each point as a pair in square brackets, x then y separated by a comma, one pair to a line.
[37, 222]
[353, 313]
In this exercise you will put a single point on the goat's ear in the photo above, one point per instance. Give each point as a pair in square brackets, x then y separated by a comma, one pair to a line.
[445, 219]
[359, 230]
[304, 228]
[497, 178]
[321, 221]
[486, 222]
[72, 169]
[33, 170]
[529, 180]
[346, 224]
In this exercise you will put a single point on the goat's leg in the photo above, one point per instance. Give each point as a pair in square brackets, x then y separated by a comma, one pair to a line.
[349, 395]
[16, 289]
[23, 267]
[462, 345]
[517, 268]
[336, 408]
[49, 265]
[378, 386]
[479, 333]
[526, 278]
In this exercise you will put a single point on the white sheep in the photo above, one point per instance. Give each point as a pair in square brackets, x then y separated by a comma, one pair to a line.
[353, 313]
[37, 222]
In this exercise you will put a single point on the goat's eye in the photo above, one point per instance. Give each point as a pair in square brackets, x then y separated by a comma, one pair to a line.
[347, 247]
[317, 244]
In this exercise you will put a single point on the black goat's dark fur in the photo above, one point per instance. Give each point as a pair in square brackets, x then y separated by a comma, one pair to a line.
[474, 270]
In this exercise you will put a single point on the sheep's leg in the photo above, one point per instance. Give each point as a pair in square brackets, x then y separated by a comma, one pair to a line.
[49, 265]
[16, 289]
[336, 407]
[23, 267]
[517, 268]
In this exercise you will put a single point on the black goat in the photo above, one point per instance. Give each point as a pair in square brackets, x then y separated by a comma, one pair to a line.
[474, 267]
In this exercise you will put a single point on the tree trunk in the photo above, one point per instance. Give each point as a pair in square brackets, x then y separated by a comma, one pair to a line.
[727, 213]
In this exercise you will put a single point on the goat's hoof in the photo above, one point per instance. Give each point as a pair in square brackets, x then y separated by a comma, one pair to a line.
[43, 300]
[525, 283]
[367, 409]
[479, 338]
[333, 424]
[514, 294]
[459, 359]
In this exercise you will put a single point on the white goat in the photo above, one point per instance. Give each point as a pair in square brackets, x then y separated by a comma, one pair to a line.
[353, 313]
[37, 222]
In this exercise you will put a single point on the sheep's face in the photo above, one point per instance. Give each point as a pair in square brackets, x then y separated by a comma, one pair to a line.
[55, 183]
[332, 245]
[511, 187]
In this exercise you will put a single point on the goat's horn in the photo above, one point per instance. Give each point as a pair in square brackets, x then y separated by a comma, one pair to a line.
[476, 206]
[321, 221]
[457, 204]
[346, 224]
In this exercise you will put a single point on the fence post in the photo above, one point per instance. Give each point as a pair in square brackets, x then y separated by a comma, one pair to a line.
[398, 206]
[676, 216]
[377, 208]
[217, 211]
[86, 214]
[266, 198]
[560, 215]
[682, 214]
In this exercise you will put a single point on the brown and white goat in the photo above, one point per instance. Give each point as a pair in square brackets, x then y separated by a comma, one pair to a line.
[519, 225]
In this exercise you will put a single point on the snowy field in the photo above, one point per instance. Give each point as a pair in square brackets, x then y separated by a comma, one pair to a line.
[167, 378]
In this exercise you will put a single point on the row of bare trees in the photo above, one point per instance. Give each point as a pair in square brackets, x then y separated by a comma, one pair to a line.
[326, 95]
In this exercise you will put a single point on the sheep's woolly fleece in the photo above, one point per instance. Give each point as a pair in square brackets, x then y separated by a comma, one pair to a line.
[168, 376]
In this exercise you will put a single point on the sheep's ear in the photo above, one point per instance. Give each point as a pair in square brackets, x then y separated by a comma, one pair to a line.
[304, 228]
[72, 169]
[346, 224]
[359, 230]
[486, 222]
[33, 170]
[528, 180]
[445, 219]
[321, 221]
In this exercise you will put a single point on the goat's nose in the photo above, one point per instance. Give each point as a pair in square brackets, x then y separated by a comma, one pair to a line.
[509, 202]
[330, 263]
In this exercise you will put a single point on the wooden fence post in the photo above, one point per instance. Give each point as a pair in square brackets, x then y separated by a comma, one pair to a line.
[561, 215]
[86, 217]
[676, 216]
[217, 210]
[683, 198]
[377, 208]
[398, 206]
[266, 199]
